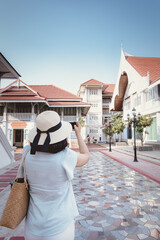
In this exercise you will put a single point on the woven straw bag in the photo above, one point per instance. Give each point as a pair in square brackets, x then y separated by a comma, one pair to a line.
[17, 204]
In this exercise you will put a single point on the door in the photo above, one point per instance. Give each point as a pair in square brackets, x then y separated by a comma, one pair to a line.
[18, 137]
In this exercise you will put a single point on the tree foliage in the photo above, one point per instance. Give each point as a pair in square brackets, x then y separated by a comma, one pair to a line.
[108, 131]
[117, 125]
[141, 124]
[81, 121]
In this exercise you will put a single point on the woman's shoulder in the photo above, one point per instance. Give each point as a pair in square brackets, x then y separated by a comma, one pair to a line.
[68, 150]
[69, 153]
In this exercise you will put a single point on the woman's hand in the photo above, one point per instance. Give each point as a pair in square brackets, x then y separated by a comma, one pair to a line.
[77, 128]
[83, 156]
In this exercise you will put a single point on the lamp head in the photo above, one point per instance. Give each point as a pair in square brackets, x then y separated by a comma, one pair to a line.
[139, 115]
[134, 112]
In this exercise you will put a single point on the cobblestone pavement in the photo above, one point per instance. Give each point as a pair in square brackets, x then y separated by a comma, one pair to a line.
[114, 202]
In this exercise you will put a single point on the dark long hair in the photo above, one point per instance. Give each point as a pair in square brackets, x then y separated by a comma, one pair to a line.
[55, 147]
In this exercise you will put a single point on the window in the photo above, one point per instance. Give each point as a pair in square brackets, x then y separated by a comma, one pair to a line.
[93, 91]
[93, 130]
[137, 100]
[106, 100]
[93, 117]
[70, 111]
[95, 105]
[152, 93]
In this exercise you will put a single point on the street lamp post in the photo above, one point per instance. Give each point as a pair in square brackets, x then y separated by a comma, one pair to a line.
[109, 125]
[134, 121]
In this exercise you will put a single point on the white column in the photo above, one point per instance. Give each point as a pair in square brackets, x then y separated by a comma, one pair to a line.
[5, 127]
[33, 116]
[62, 114]
[77, 114]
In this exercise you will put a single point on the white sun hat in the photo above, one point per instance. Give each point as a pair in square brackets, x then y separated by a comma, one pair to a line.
[49, 129]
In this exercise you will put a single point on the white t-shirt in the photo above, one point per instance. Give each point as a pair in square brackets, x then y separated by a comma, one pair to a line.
[52, 203]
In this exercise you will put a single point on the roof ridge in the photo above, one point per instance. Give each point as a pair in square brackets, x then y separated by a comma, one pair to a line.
[140, 57]
[92, 79]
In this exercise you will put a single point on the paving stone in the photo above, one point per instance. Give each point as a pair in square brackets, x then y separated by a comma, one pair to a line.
[114, 202]
[142, 236]
[155, 233]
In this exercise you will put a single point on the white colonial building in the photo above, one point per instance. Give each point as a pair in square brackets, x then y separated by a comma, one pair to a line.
[99, 95]
[20, 103]
[138, 86]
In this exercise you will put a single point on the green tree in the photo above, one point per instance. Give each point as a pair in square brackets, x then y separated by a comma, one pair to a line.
[108, 130]
[118, 124]
[141, 124]
[81, 121]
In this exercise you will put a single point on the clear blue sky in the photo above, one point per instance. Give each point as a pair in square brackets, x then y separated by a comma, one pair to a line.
[67, 42]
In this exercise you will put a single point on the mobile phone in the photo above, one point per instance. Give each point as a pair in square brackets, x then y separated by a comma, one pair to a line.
[73, 124]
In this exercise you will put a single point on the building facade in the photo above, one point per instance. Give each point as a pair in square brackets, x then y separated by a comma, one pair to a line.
[138, 86]
[99, 95]
[21, 103]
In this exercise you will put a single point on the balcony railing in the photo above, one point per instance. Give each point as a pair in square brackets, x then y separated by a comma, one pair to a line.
[20, 116]
[31, 116]
[105, 105]
[106, 112]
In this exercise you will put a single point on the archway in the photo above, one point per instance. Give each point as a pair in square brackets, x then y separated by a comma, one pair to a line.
[118, 103]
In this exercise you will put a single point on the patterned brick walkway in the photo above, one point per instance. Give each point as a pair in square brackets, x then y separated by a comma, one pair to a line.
[114, 201]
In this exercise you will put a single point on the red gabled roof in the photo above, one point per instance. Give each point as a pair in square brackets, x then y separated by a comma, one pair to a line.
[146, 64]
[53, 92]
[109, 90]
[93, 82]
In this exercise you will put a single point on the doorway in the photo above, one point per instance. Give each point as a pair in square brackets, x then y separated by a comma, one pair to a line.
[18, 138]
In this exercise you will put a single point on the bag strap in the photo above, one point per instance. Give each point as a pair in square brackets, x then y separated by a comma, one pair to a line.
[24, 168]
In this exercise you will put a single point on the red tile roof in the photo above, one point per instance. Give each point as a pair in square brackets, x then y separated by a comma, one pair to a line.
[109, 90]
[22, 92]
[146, 64]
[93, 82]
[5, 98]
[68, 103]
[53, 92]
